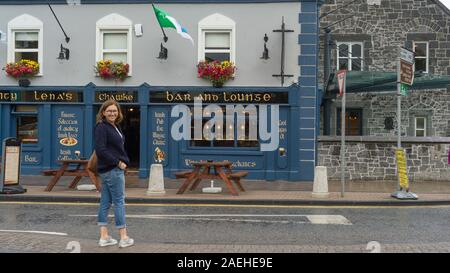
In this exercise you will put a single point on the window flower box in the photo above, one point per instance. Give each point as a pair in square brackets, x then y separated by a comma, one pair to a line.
[108, 69]
[216, 72]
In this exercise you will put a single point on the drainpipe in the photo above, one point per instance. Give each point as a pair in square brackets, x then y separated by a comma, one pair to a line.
[326, 75]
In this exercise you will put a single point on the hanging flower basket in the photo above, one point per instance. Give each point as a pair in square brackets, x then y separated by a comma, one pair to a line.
[22, 70]
[23, 82]
[216, 72]
[108, 69]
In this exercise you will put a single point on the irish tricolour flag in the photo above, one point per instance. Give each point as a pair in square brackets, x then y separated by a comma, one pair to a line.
[167, 21]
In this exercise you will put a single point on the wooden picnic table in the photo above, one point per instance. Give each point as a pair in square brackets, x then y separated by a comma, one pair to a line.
[202, 170]
[79, 172]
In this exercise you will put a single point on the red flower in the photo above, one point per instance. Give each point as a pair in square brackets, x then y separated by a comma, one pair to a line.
[216, 72]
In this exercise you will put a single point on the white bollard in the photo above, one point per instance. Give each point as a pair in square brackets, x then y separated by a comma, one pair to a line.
[156, 180]
[320, 187]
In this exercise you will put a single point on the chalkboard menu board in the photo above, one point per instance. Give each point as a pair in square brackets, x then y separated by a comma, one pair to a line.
[10, 167]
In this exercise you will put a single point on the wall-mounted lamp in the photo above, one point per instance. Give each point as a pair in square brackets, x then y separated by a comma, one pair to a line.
[265, 54]
[163, 53]
[64, 53]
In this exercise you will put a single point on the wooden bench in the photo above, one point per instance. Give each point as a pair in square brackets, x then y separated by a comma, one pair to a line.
[182, 174]
[49, 172]
[74, 172]
[236, 177]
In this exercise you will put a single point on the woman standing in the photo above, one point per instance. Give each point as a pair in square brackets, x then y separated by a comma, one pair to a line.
[112, 160]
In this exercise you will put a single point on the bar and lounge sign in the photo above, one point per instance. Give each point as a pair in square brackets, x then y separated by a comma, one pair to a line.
[219, 97]
[41, 96]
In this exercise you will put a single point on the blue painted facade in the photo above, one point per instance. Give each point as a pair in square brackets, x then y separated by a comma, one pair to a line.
[62, 118]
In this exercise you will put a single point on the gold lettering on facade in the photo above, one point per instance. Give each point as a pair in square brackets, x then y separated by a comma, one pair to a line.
[116, 97]
[8, 96]
[241, 97]
[60, 96]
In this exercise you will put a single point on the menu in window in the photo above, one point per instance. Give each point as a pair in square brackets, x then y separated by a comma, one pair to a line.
[68, 126]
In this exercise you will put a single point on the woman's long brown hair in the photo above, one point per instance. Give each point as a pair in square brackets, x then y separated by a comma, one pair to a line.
[106, 104]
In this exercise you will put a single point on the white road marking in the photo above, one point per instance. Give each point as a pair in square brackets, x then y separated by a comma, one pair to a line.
[34, 231]
[328, 219]
[313, 219]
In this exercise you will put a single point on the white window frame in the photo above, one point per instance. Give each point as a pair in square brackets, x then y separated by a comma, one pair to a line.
[421, 129]
[26, 23]
[421, 57]
[350, 57]
[114, 23]
[216, 23]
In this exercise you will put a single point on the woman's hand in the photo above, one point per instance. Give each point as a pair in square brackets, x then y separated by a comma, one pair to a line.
[122, 165]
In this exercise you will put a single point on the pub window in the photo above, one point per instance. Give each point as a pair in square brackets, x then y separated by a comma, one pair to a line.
[26, 45]
[26, 123]
[114, 46]
[216, 39]
[240, 137]
[217, 46]
[114, 41]
[349, 56]
[420, 126]
[421, 56]
[353, 122]
[25, 41]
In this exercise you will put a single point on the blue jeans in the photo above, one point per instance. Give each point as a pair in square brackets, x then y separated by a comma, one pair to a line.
[113, 192]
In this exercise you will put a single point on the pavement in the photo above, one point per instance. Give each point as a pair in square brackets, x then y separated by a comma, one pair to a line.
[363, 193]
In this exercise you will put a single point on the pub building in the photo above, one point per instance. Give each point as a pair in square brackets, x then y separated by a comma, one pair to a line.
[273, 45]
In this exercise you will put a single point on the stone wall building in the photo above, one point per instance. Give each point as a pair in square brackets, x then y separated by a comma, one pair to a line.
[368, 41]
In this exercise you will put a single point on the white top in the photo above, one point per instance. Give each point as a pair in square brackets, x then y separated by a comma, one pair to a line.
[118, 132]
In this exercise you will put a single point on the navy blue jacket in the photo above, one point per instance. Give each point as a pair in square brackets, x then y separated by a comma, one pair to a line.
[109, 147]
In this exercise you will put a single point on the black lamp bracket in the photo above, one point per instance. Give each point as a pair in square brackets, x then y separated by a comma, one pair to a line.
[67, 37]
[265, 55]
[283, 30]
[163, 53]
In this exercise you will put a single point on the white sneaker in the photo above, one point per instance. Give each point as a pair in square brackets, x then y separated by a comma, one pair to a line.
[126, 243]
[109, 241]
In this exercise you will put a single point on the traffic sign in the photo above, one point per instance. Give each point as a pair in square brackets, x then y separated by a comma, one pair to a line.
[407, 55]
[406, 72]
[403, 89]
[341, 81]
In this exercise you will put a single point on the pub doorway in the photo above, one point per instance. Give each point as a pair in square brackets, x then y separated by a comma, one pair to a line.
[131, 129]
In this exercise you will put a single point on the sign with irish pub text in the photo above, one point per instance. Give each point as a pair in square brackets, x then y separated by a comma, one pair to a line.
[234, 97]
[41, 96]
[68, 134]
[119, 96]
[159, 134]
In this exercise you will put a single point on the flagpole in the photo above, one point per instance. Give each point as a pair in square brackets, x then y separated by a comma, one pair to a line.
[165, 37]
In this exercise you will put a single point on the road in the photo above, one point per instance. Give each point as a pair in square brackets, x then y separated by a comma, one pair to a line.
[65, 227]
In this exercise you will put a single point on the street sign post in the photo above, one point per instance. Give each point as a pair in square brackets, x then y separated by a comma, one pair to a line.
[342, 76]
[405, 77]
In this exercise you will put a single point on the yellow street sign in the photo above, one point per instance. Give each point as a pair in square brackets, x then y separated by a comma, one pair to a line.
[401, 168]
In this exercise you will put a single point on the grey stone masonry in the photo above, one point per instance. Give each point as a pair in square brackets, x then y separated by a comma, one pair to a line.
[381, 27]
[373, 158]
[376, 107]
